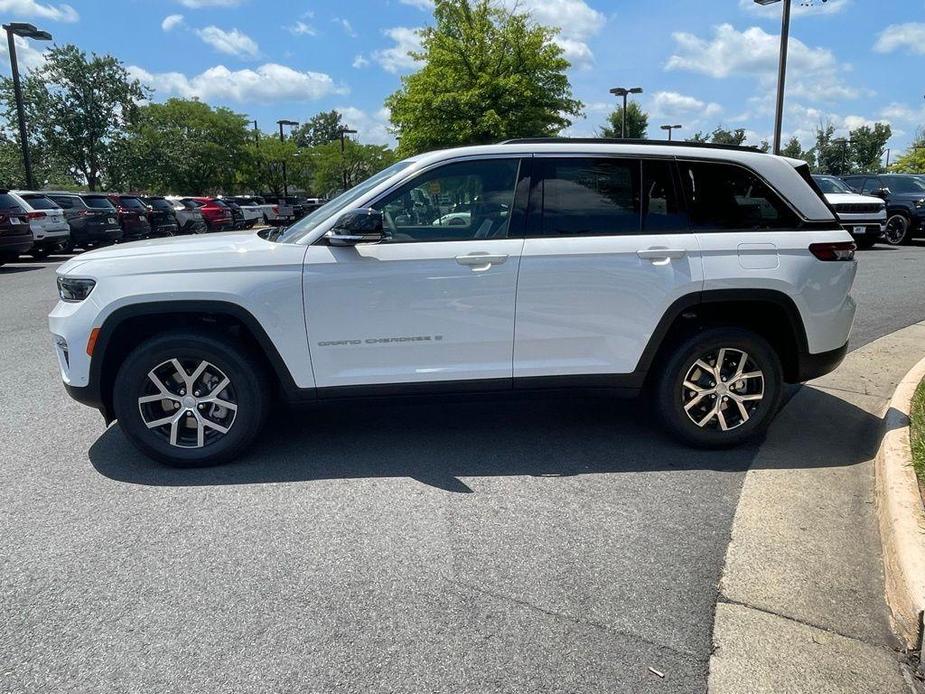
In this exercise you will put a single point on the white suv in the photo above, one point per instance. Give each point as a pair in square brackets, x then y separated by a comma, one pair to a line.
[50, 230]
[706, 277]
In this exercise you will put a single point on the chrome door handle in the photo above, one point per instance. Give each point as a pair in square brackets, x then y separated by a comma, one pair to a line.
[480, 262]
[662, 253]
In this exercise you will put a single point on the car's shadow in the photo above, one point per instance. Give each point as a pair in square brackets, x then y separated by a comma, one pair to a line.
[439, 441]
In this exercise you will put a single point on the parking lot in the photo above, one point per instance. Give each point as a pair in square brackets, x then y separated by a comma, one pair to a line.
[512, 544]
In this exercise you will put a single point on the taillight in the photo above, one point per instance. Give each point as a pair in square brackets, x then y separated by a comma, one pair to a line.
[36, 215]
[842, 250]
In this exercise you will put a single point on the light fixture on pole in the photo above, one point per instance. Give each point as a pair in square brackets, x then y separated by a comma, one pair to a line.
[26, 31]
[343, 132]
[624, 92]
[782, 69]
[671, 128]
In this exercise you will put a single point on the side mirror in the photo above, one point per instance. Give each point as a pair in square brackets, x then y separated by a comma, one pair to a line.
[357, 226]
[882, 193]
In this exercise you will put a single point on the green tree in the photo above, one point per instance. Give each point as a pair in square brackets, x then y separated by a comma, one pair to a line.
[76, 106]
[358, 161]
[487, 74]
[721, 136]
[637, 123]
[272, 166]
[913, 161]
[182, 146]
[794, 150]
[321, 128]
[868, 147]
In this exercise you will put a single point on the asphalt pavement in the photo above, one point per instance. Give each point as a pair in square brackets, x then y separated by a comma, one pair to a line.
[553, 544]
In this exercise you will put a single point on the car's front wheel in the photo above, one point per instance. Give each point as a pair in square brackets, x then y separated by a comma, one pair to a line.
[189, 400]
[897, 230]
[720, 388]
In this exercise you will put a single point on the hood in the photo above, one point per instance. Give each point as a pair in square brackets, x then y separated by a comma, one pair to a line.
[177, 254]
[852, 198]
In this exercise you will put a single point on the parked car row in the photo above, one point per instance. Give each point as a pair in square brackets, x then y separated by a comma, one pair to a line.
[875, 207]
[39, 223]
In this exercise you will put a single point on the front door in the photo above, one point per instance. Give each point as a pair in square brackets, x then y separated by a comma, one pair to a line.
[608, 250]
[434, 302]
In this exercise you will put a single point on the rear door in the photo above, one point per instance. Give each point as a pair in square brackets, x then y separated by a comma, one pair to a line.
[608, 250]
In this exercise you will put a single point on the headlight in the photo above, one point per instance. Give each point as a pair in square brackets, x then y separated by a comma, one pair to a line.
[74, 290]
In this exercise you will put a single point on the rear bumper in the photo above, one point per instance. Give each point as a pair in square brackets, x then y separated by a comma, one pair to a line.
[865, 228]
[97, 235]
[15, 245]
[812, 366]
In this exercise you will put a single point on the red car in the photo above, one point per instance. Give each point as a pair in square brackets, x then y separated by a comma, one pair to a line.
[133, 216]
[216, 214]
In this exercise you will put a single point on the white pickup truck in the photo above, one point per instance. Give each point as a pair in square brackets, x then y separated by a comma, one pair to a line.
[257, 209]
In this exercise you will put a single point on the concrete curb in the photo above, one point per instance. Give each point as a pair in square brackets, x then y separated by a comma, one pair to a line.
[902, 515]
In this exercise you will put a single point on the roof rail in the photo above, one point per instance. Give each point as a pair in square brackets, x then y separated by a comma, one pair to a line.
[615, 141]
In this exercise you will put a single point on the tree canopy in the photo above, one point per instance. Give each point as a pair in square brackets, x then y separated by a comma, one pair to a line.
[321, 128]
[487, 74]
[637, 123]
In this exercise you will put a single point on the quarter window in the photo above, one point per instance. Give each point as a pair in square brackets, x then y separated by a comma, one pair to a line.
[457, 202]
[728, 197]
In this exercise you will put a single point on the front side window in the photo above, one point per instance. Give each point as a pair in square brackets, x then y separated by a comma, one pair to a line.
[728, 197]
[592, 197]
[457, 202]
[871, 185]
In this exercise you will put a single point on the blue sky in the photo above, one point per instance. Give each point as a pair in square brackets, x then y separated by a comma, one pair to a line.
[701, 62]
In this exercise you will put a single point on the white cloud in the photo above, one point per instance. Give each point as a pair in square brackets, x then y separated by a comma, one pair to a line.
[196, 4]
[371, 128]
[910, 37]
[576, 20]
[27, 57]
[359, 62]
[397, 58]
[31, 8]
[300, 28]
[172, 22]
[669, 104]
[346, 26]
[815, 72]
[232, 42]
[773, 11]
[420, 4]
[268, 83]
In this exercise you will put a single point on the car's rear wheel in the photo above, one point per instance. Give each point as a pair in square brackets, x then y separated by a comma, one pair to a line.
[897, 230]
[720, 388]
[190, 400]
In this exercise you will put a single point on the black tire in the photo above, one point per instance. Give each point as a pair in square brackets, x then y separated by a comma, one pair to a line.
[898, 230]
[249, 388]
[672, 396]
[865, 243]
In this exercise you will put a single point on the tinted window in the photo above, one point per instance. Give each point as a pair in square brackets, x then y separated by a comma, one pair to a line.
[830, 184]
[219, 203]
[98, 202]
[456, 202]
[8, 203]
[160, 204]
[904, 184]
[67, 202]
[589, 197]
[132, 204]
[870, 185]
[724, 196]
[661, 207]
[40, 202]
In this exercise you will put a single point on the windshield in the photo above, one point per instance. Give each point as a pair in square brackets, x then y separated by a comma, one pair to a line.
[304, 226]
[829, 184]
[904, 184]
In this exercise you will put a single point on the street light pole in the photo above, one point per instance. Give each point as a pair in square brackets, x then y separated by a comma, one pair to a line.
[343, 132]
[782, 69]
[624, 92]
[26, 31]
[282, 138]
[671, 128]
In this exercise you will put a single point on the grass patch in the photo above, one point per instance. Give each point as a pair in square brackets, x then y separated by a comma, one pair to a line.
[918, 432]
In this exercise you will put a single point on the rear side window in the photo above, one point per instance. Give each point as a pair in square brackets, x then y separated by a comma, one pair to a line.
[132, 204]
[591, 197]
[725, 197]
[40, 202]
[98, 202]
[661, 205]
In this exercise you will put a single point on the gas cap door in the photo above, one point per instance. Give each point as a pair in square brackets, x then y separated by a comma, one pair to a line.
[758, 256]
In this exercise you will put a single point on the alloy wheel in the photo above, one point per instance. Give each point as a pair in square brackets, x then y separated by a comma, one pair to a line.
[722, 389]
[189, 403]
[897, 227]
